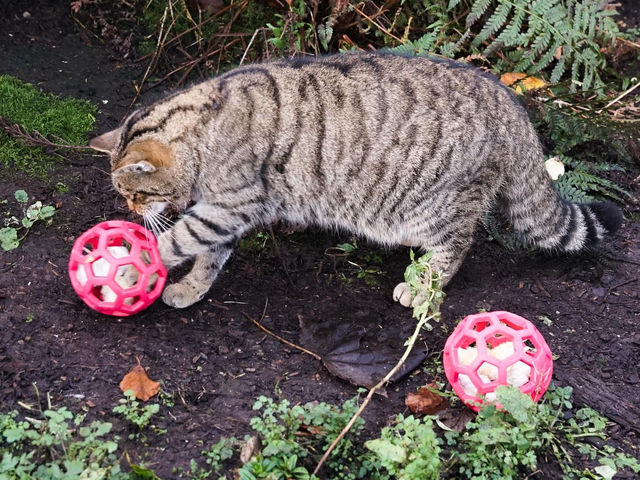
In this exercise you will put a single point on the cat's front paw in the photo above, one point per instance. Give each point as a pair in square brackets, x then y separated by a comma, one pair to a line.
[402, 295]
[179, 295]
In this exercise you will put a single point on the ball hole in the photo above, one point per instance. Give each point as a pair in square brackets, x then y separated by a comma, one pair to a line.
[466, 355]
[132, 300]
[487, 372]
[127, 276]
[479, 326]
[529, 347]
[145, 256]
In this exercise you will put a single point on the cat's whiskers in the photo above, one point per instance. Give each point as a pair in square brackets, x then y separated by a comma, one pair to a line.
[159, 223]
[148, 223]
[161, 220]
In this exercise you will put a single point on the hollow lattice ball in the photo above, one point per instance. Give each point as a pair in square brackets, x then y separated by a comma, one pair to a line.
[487, 350]
[115, 268]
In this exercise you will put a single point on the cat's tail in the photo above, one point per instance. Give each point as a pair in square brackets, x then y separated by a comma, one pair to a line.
[544, 220]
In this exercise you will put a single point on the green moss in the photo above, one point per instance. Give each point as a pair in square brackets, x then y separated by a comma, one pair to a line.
[24, 104]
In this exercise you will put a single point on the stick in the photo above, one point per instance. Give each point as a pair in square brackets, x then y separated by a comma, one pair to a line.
[249, 46]
[620, 97]
[378, 25]
[287, 342]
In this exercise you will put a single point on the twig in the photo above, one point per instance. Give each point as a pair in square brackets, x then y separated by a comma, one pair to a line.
[620, 97]
[621, 284]
[154, 58]
[35, 138]
[287, 342]
[249, 46]
[547, 294]
[628, 42]
[380, 27]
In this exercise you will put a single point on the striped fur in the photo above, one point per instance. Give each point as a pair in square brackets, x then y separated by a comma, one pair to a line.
[400, 150]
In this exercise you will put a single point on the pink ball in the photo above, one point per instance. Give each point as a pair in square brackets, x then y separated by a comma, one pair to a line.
[487, 350]
[100, 268]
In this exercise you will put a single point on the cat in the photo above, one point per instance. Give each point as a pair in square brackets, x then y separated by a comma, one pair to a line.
[401, 150]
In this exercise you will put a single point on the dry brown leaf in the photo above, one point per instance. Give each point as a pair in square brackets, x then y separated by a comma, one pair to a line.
[522, 81]
[558, 53]
[137, 380]
[426, 401]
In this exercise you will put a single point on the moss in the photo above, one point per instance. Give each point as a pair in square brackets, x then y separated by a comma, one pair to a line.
[26, 105]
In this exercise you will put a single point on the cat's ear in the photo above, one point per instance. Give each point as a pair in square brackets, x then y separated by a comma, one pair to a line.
[138, 167]
[107, 142]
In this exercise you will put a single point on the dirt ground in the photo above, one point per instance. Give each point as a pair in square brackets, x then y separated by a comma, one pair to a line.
[211, 356]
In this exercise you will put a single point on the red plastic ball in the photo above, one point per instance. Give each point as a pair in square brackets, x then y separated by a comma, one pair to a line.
[490, 349]
[100, 268]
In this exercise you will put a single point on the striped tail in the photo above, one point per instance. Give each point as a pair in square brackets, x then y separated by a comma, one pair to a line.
[543, 220]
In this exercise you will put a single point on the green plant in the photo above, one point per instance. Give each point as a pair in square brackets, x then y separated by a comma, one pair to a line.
[534, 34]
[583, 182]
[58, 447]
[16, 230]
[254, 242]
[137, 415]
[215, 457]
[409, 450]
[504, 444]
[293, 31]
[426, 283]
[292, 435]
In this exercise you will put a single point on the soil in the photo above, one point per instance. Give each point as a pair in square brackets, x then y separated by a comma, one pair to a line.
[210, 356]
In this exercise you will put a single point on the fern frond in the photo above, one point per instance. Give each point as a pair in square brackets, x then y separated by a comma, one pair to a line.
[493, 24]
[535, 34]
[477, 10]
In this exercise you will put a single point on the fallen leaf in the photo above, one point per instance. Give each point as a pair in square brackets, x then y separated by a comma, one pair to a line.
[137, 380]
[250, 449]
[558, 53]
[359, 350]
[426, 401]
[455, 418]
[522, 81]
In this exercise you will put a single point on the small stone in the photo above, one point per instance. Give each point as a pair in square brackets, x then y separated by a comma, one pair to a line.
[633, 379]
[26, 14]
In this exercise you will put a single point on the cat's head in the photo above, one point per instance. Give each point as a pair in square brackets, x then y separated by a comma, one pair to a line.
[145, 170]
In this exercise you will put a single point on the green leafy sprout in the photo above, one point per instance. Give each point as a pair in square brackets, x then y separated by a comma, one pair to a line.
[136, 414]
[16, 230]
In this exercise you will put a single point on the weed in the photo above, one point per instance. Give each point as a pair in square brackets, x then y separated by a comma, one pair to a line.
[503, 444]
[16, 230]
[139, 416]
[426, 283]
[292, 31]
[57, 446]
[366, 264]
[254, 242]
[409, 449]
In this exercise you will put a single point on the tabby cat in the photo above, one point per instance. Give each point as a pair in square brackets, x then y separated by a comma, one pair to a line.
[400, 150]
